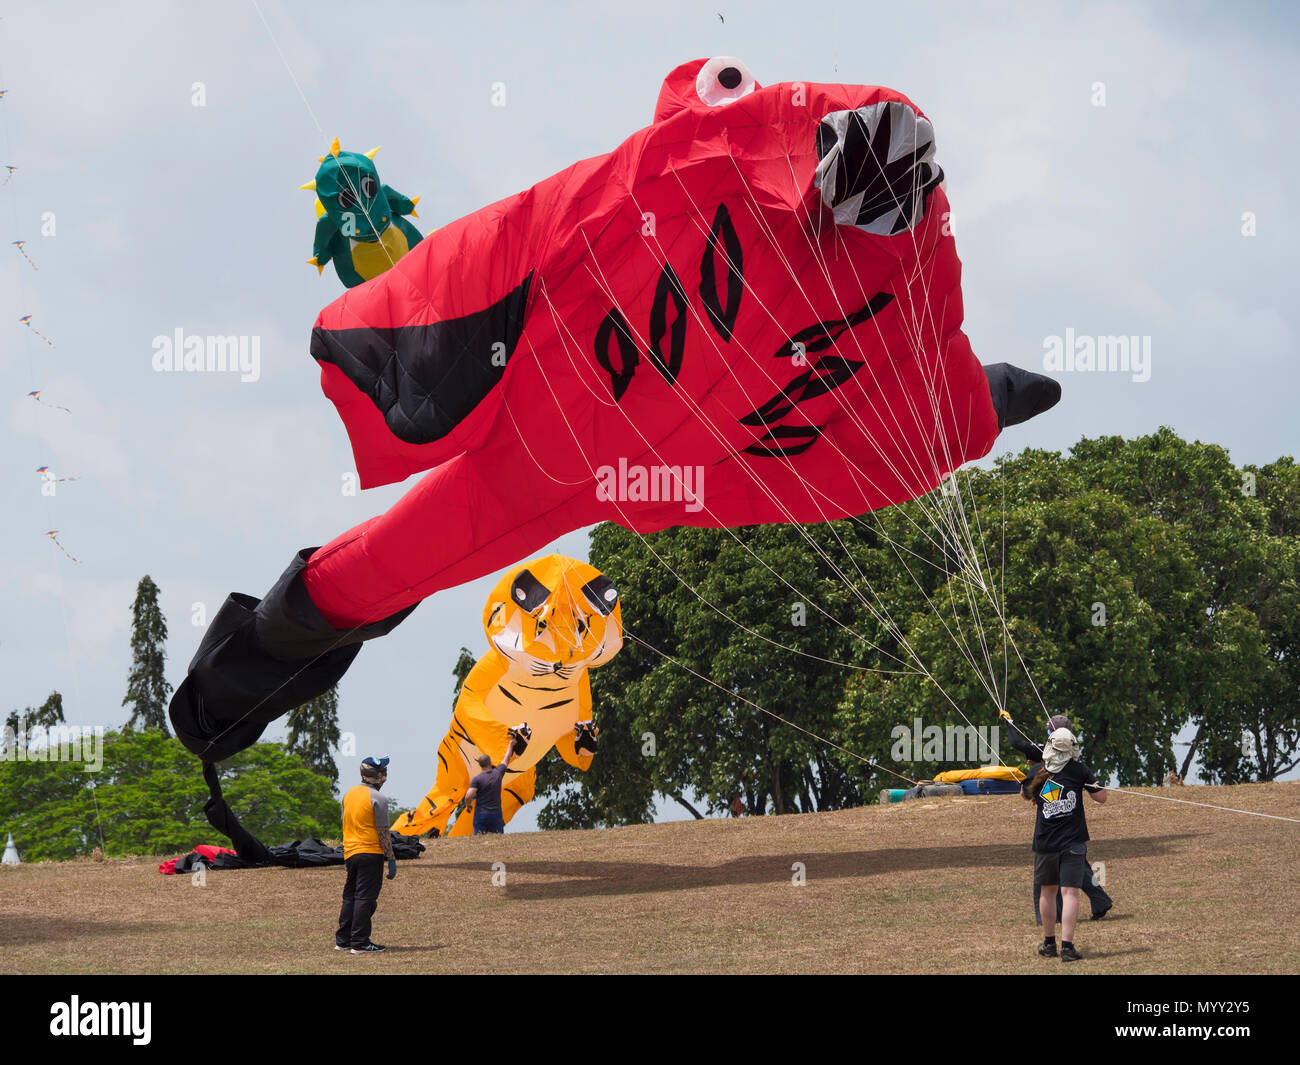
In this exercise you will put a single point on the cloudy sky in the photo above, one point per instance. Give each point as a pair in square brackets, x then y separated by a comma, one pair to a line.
[1105, 163]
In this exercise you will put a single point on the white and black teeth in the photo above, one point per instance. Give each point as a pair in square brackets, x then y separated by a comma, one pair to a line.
[877, 167]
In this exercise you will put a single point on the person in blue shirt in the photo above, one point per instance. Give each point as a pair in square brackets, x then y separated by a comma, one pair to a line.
[485, 793]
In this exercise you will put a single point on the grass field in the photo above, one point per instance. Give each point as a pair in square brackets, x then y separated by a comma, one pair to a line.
[940, 885]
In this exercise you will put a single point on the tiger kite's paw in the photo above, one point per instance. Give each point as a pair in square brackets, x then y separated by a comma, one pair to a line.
[520, 734]
[585, 733]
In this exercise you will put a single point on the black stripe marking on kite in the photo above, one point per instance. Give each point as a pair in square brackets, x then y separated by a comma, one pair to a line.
[722, 318]
[552, 706]
[508, 695]
[806, 435]
[615, 326]
[668, 287]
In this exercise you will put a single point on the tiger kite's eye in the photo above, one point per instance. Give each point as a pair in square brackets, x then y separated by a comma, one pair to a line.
[601, 594]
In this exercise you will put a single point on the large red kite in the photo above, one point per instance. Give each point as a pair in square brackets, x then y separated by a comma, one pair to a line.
[749, 311]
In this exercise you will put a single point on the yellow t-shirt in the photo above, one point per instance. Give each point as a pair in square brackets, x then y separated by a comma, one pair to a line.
[364, 809]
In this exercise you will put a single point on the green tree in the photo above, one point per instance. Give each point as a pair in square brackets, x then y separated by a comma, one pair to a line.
[147, 690]
[464, 663]
[314, 733]
[19, 726]
[1136, 585]
[148, 798]
[1093, 595]
[1242, 690]
[679, 707]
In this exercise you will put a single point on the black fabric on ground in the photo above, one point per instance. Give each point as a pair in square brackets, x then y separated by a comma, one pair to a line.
[299, 854]
[302, 853]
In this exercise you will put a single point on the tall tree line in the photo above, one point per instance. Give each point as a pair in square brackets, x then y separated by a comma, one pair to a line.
[1148, 585]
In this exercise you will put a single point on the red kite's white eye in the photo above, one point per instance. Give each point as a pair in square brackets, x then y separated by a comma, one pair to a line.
[722, 80]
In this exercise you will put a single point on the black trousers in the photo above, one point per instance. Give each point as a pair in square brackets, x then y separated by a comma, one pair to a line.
[1097, 898]
[360, 897]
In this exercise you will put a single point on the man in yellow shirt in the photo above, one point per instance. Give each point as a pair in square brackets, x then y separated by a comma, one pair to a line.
[366, 843]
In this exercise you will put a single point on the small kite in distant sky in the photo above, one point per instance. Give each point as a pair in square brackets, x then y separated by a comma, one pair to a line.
[2, 93]
[9, 176]
[37, 396]
[48, 474]
[21, 246]
[53, 534]
[26, 319]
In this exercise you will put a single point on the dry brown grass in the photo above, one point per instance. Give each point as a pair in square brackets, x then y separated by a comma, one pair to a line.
[937, 885]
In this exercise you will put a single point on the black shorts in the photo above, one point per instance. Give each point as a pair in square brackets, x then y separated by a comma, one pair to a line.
[1065, 868]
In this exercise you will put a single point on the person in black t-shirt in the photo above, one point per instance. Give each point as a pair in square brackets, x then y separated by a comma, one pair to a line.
[1098, 899]
[1060, 836]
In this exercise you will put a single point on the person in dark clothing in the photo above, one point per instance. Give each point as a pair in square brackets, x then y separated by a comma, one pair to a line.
[485, 793]
[366, 844]
[1100, 902]
[1060, 836]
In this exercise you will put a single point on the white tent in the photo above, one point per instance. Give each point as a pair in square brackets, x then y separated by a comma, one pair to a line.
[11, 853]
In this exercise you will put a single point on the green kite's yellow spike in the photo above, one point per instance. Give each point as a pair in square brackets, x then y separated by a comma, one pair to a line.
[415, 201]
[320, 209]
[310, 186]
[334, 149]
[373, 151]
[319, 269]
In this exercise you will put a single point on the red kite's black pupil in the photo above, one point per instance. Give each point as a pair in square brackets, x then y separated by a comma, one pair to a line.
[729, 78]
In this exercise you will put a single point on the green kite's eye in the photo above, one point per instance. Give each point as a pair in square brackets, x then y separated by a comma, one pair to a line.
[369, 187]
[346, 199]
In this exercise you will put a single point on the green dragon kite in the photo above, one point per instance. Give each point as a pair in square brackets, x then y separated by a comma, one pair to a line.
[360, 228]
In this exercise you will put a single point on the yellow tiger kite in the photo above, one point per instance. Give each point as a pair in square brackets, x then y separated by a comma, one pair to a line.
[547, 622]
